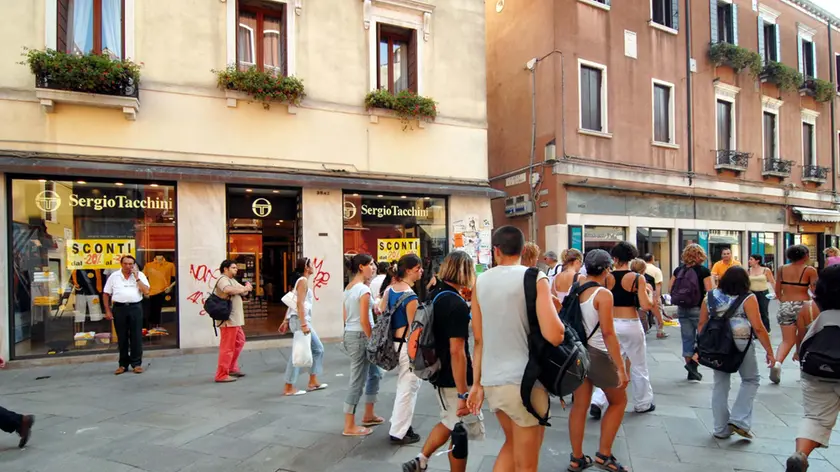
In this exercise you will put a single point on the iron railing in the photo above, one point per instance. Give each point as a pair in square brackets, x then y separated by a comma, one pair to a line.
[777, 167]
[123, 88]
[815, 173]
[733, 160]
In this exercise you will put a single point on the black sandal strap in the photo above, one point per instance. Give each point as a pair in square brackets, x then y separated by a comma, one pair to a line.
[610, 463]
[583, 462]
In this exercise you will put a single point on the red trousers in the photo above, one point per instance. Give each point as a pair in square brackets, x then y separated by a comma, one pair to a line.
[233, 340]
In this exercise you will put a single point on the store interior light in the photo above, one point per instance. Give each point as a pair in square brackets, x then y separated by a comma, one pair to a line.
[119, 184]
[153, 185]
[280, 221]
[379, 196]
[277, 224]
[81, 182]
[403, 196]
[428, 198]
[42, 180]
[276, 191]
[248, 190]
[355, 194]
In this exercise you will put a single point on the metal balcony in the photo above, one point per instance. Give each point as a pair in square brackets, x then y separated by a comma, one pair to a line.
[777, 168]
[732, 160]
[816, 174]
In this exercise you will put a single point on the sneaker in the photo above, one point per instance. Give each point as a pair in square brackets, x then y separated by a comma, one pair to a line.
[650, 409]
[410, 438]
[693, 374]
[776, 373]
[25, 430]
[595, 412]
[798, 462]
[413, 466]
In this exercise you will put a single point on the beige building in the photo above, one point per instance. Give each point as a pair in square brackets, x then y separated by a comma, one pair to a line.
[183, 175]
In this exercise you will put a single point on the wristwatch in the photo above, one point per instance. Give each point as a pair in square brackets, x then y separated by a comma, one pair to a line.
[463, 396]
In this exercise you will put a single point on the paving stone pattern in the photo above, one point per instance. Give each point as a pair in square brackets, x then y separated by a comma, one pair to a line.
[174, 418]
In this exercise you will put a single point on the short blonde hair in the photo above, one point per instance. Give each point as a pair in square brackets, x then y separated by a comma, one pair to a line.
[693, 254]
[831, 251]
[458, 269]
[530, 253]
[570, 255]
[638, 266]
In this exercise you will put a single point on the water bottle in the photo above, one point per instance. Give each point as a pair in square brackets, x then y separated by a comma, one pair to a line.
[459, 441]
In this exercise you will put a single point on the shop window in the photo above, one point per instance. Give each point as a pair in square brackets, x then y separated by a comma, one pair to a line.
[96, 26]
[389, 226]
[264, 241]
[720, 240]
[812, 242]
[693, 236]
[66, 238]
[602, 237]
[658, 243]
[765, 245]
[261, 36]
[396, 58]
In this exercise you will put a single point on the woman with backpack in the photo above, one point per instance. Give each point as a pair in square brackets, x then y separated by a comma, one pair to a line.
[630, 293]
[689, 285]
[402, 302]
[606, 369]
[734, 300]
[795, 281]
[820, 393]
[358, 324]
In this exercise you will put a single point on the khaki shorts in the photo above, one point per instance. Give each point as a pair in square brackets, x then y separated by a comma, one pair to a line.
[448, 400]
[508, 399]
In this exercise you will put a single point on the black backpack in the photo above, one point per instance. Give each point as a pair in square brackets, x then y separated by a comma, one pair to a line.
[561, 369]
[716, 347]
[820, 354]
[218, 308]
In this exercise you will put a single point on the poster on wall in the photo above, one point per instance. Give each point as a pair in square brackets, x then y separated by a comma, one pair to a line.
[97, 253]
[388, 250]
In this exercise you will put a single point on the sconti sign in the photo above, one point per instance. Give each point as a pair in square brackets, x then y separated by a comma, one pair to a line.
[49, 200]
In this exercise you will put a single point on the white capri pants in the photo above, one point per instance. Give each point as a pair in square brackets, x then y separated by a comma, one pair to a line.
[631, 338]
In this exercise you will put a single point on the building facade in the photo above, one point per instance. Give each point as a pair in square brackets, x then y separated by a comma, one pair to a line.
[643, 122]
[183, 175]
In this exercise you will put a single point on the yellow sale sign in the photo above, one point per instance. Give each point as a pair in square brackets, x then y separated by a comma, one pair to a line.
[392, 249]
[98, 253]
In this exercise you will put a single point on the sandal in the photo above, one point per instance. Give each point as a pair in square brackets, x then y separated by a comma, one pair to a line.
[359, 432]
[744, 433]
[373, 421]
[610, 463]
[316, 387]
[581, 463]
[798, 462]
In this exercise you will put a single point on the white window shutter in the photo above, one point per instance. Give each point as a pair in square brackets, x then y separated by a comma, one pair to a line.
[713, 19]
[814, 55]
[778, 42]
[799, 53]
[734, 24]
[675, 12]
[761, 41]
[607, 2]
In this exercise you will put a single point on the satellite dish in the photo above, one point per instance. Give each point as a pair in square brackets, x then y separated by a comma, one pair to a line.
[500, 5]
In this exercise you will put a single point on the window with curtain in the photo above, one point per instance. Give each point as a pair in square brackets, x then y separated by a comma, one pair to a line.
[91, 26]
[662, 113]
[724, 125]
[261, 37]
[769, 136]
[590, 99]
[396, 58]
[809, 156]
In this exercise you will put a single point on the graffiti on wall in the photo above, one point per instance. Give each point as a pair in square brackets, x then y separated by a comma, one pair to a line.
[203, 279]
[321, 278]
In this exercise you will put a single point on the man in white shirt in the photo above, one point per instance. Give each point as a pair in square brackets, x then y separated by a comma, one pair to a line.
[125, 288]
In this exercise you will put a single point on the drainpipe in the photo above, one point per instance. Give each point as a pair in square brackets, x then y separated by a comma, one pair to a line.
[833, 125]
[689, 94]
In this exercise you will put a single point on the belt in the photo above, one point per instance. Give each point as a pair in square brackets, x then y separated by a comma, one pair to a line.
[126, 304]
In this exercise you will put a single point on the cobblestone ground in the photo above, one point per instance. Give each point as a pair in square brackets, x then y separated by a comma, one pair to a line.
[174, 418]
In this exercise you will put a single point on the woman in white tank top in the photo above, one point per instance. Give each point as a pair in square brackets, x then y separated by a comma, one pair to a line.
[299, 318]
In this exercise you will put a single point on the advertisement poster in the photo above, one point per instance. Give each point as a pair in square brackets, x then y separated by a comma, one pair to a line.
[97, 253]
[388, 250]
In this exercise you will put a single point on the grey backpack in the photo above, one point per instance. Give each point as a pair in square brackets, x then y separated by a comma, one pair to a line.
[380, 347]
[421, 341]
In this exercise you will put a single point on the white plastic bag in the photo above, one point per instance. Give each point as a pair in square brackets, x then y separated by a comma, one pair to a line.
[302, 350]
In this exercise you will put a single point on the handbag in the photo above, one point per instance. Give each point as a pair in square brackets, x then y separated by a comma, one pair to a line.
[290, 299]
[218, 308]
[302, 349]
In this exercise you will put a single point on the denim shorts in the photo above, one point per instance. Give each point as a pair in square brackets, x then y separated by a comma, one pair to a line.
[689, 319]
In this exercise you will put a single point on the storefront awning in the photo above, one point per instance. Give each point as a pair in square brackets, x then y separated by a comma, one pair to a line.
[817, 215]
[154, 171]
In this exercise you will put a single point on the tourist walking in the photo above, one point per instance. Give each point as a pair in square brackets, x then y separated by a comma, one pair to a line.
[689, 285]
[630, 294]
[761, 281]
[11, 422]
[654, 271]
[606, 371]
[402, 301]
[125, 289]
[572, 263]
[233, 330]
[500, 328]
[305, 297]
[451, 329]
[358, 323]
[795, 280]
[746, 324]
[820, 395]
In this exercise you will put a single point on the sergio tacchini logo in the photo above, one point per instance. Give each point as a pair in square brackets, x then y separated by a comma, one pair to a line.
[47, 201]
[349, 210]
[261, 207]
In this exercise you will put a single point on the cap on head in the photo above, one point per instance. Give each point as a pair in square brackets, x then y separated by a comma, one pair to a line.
[597, 261]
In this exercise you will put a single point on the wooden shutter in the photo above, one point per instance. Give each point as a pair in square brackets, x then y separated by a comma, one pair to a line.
[778, 43]
[236, 57]
[413, 73]
[378, 57]
[814, 57]
[61, 17]
[595, 98]
[807, 143]
[769, 136]
[284, 48]
[713, 19]
[799, 52]
[661, 101]
[724, 122]
[675, 14]
[733, 19]
[761, 40]
[585, 107]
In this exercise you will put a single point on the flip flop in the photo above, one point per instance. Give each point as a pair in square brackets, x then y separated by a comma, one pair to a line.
[361, 432]
[374, 422]
[319, 387]
[295, 394]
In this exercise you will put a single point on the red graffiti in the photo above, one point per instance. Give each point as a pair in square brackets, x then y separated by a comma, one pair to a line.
[198, 298]
[321, 279]
[202, 273]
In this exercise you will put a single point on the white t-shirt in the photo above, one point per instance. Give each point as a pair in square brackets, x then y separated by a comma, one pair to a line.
[376, 286]
[124, 290]
[352, 305]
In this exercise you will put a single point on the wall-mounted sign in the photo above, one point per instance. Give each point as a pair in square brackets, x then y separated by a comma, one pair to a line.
[97, 253]
[261, 207]
[49, 200]
[388, 250]
[516, 179]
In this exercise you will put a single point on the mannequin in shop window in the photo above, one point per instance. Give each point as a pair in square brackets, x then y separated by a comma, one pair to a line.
[87, 287]
[161, 275]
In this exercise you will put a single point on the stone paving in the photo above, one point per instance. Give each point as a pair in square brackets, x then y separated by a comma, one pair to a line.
[174, 418]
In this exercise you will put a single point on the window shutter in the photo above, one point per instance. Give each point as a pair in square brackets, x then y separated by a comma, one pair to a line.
[595, 90]
[675, 14]
[761, 40]
[236, 57]
[61, 17]
[379, 84]
[413, 73]
[734, 20]
[799, 53]
[607, 2]
[713, 19]
[584, 98]
[778, 43]
[814, 56]
[284, 48]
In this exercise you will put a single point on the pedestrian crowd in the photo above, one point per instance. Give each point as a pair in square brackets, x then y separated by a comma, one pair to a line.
[593, 310]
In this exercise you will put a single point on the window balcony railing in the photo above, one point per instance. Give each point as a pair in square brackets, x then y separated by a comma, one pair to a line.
[732, 160]
[777, 168]
[816, 174]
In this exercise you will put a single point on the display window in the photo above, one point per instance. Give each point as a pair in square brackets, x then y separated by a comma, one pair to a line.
[813, 243]
[694, 236]
[720, 240]
[66, 237]
[264, 228]
[390, 226]
[657, 242]
[765, 245]
[602, 237]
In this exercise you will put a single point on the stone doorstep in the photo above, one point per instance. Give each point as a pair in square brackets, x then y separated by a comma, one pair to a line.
[256, 345]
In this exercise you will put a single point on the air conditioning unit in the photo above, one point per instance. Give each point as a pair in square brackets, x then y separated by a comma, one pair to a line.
[518, 205]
